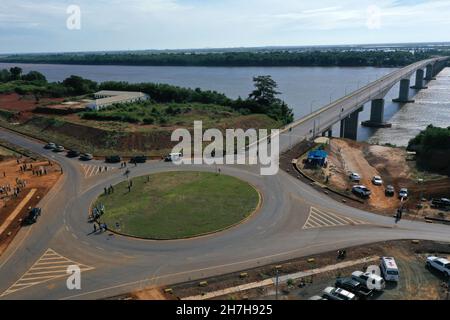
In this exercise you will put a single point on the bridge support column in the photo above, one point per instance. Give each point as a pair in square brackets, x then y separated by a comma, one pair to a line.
[430, 73]
[330, 133]
[404, 92]
[419, 80]
[377, 115]
[349, 125]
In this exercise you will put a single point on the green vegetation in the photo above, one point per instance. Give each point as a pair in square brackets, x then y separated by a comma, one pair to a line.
[433, 149]
[36, 84]
[178, 204]
[242, 58]
[170, 114]
[261, 101]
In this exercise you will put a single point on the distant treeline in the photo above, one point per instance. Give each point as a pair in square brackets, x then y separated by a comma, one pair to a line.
[236, 59]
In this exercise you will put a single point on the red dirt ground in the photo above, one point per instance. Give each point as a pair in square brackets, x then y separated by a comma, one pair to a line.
[15, 102]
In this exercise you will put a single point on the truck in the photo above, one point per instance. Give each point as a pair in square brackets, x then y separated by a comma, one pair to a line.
[389, 269]
[369, 280]
[349, 284]
[440, 264]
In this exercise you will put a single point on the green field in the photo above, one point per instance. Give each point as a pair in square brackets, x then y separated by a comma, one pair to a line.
[174, 205]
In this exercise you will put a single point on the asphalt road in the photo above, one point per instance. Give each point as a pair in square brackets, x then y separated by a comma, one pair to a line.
[116, 264]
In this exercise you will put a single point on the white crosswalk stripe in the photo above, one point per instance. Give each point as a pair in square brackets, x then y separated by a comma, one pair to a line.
[320, 219]
[49, 266]
[92, 170]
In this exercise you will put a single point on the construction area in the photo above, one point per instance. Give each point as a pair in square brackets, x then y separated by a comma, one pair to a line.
[25, 178]
[395, 166]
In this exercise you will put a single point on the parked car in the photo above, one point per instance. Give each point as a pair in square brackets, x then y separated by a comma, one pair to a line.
[377, 181]
[86, 157]
[389, 191]
[353, 286]
[317, 298]
[138, 159]
[58, 148]
[32, 216]
[389, 269]
[442, 203]
[50, 146]
[369, 280]
[73, 154]
[355, 177]
[403, 193]
[113, 159]
[338, 294]
[440, 264]
[361, 191]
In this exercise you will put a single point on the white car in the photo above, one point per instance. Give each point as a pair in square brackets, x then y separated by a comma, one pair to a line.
[355, 177]
[338, 294]
[440, 264]
[377, 181]
[403, 193]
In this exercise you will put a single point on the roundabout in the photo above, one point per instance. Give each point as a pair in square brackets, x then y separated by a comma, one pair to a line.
[177, 205]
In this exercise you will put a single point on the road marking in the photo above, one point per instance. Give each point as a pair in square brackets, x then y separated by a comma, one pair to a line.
[321, 219]
[92, 170]
[49, 266]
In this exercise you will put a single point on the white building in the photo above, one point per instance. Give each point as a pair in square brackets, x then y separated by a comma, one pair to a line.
[106, 98]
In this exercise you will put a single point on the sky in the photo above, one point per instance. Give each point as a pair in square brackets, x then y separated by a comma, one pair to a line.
[100, 25]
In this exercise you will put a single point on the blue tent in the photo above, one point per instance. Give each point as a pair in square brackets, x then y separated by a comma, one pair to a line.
[317, 157]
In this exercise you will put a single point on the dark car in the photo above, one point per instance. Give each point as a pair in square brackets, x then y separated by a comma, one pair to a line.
[138, 159]
[353, 286]
[32, 216]
[86, 157]
[442, 203]
[73, 154]
[390, 191]
[113, 159]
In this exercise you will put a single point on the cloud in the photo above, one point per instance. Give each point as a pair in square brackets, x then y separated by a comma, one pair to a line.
[143, 24]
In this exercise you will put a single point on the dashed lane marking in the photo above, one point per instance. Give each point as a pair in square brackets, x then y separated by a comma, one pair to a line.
[321, 219]
[49, 266]
[92, 170]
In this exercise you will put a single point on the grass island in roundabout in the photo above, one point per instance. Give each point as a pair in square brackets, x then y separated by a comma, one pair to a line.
[176, 205]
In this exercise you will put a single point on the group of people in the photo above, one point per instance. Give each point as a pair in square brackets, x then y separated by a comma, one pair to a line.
[109, 190]
[97, 212]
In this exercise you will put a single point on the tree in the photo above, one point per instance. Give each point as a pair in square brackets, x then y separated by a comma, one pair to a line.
[16, 72]
[77, 85]
[265, 90]
[5, 75]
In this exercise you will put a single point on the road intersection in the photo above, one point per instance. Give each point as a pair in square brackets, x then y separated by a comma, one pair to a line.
[116, 264]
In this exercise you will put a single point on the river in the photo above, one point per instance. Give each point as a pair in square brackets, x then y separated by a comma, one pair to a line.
[303, 88]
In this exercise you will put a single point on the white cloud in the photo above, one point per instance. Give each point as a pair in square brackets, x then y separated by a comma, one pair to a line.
[140, 24]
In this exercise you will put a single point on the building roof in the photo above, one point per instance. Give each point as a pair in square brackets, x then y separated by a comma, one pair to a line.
[112, 93]
[317, 154]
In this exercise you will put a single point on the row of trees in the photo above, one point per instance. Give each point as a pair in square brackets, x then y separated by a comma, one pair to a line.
[15, 73]
[244, 58]
[35, 83]
[262, 100]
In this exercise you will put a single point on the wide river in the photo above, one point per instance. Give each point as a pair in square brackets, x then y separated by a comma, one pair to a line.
[303, 88]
